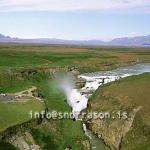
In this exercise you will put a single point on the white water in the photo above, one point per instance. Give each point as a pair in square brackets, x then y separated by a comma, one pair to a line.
[75, 99]
[78, 98]
[96, 79]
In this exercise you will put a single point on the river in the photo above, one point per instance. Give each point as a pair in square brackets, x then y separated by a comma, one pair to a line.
[93, 81]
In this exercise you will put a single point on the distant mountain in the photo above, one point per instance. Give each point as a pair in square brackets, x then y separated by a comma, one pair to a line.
[4, 37]
[7, 39]
[134, 41]
[61, 41]
[126, 41]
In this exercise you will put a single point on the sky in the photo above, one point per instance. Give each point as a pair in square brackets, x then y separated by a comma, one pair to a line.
[75, 19]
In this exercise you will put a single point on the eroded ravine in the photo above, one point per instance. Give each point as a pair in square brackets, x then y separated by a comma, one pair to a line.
[97, 79]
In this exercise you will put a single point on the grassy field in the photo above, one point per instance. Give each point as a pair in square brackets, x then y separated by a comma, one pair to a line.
[84, 58]
[57, 134]
[126, 95]
[16, 63]
[14, 113]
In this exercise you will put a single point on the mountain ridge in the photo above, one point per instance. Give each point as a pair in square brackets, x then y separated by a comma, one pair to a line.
[124, 41]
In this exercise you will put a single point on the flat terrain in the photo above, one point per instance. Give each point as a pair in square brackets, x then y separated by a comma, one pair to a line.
[84, 58]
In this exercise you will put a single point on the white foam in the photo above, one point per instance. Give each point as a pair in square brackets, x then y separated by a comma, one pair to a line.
[78, 99]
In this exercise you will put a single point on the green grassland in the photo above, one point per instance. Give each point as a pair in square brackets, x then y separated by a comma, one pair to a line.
[14, 113]
[57, 134]
[84, 58]
[127, 94]
[16, 60]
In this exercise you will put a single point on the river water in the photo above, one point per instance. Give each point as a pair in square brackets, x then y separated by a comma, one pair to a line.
[93, 81]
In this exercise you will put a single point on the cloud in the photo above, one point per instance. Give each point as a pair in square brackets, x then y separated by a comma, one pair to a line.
[67, 5]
